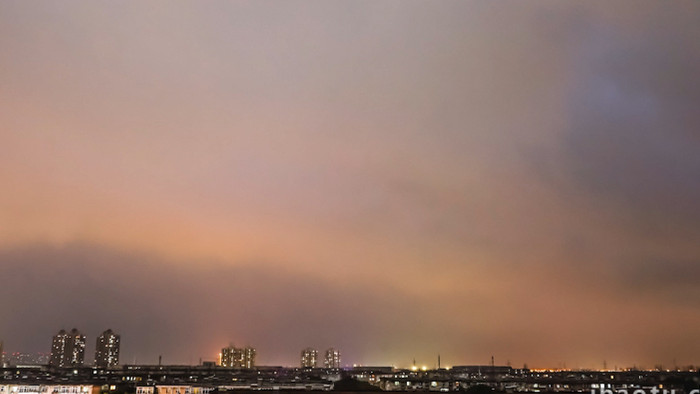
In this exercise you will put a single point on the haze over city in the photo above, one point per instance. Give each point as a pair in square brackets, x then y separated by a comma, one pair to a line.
[395, 179]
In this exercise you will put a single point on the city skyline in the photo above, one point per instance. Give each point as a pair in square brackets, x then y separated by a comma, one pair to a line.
[394, 179]
[68, 351]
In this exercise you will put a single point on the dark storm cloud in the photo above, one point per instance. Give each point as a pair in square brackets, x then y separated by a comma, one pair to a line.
[634, 133]
[181, 312]
[629, 156]
[631, 148]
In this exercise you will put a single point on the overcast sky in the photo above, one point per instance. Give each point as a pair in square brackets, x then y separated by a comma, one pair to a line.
[396, 179]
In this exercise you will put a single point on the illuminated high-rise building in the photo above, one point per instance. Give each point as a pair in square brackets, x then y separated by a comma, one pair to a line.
[235, 357]
[68, 349]
[332, 359]
[309, 358]
[229, 355]
[107, 350]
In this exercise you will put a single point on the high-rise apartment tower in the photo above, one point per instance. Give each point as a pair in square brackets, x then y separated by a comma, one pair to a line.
[235, 357]
[107, 350]
[68, 349]
[309, 358]
[332, 359]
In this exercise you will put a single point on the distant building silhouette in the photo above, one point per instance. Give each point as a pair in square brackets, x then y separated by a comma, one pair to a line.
[309, 358]
[107, 350]
[332, 359]
[68, 349]
[235, 357]
[26, 359]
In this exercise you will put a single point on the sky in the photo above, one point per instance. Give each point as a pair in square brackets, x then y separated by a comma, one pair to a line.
[396, 179]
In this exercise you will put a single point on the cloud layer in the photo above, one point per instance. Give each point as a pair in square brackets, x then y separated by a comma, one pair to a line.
[395, 179]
